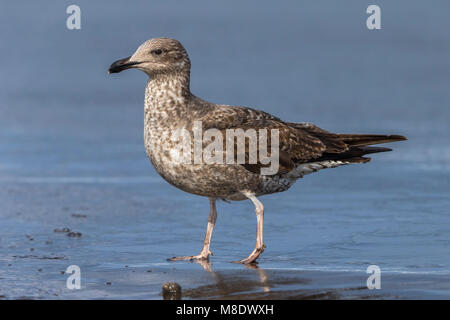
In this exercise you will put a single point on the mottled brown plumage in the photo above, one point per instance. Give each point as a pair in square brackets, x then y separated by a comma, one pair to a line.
[170, 106]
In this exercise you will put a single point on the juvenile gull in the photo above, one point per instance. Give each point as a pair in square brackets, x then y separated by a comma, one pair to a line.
[170, 106]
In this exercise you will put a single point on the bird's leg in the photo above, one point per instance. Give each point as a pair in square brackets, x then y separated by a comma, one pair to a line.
[205, 253]
[259, 248]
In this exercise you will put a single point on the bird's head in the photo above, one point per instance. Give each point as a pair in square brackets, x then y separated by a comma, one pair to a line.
[156, 56]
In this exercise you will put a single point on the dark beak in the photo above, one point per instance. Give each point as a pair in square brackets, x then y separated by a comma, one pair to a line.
[122, 64]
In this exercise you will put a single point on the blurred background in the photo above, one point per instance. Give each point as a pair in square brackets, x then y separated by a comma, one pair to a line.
[72, 153]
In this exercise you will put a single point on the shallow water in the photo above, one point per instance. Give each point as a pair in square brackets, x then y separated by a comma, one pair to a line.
[72, 155]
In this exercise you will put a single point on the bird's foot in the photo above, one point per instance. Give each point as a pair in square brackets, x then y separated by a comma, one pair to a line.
[204, 255]
[197, 257]
[251, 259]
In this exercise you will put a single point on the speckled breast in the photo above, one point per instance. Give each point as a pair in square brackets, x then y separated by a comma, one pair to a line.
[213, 180]
[166, 111]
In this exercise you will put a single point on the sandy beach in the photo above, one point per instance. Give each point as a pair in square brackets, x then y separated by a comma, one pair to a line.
[124, 256]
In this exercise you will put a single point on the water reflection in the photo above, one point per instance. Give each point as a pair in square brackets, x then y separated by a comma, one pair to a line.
[255, 282]
[251, 281]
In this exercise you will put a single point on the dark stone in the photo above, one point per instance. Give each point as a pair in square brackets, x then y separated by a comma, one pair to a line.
[171, 291]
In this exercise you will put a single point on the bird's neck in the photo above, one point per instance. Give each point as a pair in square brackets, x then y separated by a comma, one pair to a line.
[166, 105]
[166, 99]
[167, 90]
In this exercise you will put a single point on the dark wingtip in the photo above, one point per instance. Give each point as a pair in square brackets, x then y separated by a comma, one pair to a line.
[370, 149]
[397, 137]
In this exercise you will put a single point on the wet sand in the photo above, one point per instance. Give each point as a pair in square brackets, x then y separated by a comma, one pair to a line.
[123, 256]
[145, 282]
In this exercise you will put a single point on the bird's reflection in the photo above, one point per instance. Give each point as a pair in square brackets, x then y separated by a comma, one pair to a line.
[226, 284]
[206, 264]
[253, 282]
[262, 275]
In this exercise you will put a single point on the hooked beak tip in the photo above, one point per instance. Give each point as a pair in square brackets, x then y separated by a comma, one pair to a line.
[122, 64]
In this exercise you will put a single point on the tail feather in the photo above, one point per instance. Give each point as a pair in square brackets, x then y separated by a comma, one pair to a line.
[358, 140]
[354, 154]
[347, 148]
[368, 150]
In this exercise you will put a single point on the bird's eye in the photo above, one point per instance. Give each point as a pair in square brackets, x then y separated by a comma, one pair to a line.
[157, 52]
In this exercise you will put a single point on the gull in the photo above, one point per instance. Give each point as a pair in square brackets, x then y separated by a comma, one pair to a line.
[302, 148]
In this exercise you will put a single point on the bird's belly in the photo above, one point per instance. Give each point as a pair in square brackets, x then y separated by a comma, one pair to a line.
[212, 180]
[225, 181]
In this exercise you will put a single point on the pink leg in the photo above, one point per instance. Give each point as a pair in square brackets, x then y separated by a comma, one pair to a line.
[259, 247]
[205, 253]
